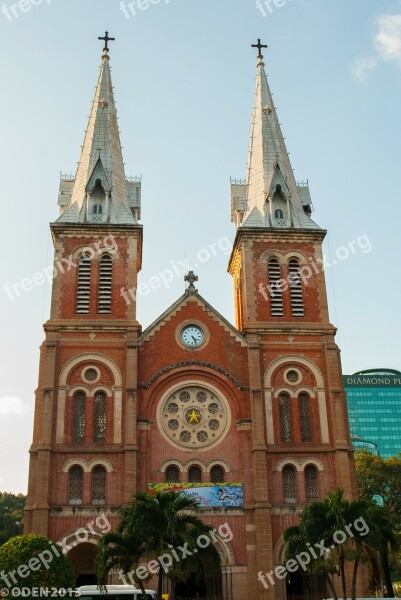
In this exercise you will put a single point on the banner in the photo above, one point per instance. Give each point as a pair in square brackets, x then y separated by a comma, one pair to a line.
[208, 495]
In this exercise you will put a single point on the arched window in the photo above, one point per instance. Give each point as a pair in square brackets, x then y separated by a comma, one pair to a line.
[97, 209]
[285, 417]
[99, 428]
[98, 485]
[278, 214]
[105, 278]
[172, 474]
[78, 416]
[217, 474]
[289, 484]
[84, 283]
[195, 475]
[276, 294]
[305, 418]
[311, 491]
[294, 277]
[75, 487]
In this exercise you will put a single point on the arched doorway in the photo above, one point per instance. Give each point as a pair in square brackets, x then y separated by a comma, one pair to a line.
[82, 559]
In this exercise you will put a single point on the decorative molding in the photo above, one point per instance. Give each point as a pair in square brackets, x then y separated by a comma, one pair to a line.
[193, 363]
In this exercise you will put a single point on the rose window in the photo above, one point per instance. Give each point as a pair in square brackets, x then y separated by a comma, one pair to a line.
[194, 417]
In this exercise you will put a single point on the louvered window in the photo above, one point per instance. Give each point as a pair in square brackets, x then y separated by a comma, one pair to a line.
[297, 303]
[304, 414]
[75, 485]
[276, 295]
[100, 417]
[289, 485]
[78, 418]
[84, 284]
[195, 475]
[99, 485]
[311, 490]
[172, 474]
[285, 417]
[105, 277]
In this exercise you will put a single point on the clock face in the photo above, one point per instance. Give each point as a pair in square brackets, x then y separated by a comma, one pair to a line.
[192, 336]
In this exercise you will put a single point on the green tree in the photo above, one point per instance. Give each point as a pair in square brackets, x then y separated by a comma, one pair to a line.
[11, 515]
[380, 477]
[371, 540]
[152, 526]
[29, 561]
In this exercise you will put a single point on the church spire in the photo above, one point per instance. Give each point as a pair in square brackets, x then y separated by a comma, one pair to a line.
[99, 192]
[270, 196]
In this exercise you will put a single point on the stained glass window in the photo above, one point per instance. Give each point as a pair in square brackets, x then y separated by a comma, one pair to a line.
[195, 475]
[285, 417]
[75, 485]
[172, 474]
[289, 484]
[311, 490]
[99, 485]
[304, 413]
[78, 411]
[100, 417]
[217, 474]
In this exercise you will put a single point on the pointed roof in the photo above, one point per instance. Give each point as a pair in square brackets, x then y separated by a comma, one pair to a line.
[269, 165]
[101, 157]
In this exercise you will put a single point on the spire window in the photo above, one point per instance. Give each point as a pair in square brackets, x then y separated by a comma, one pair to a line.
[297, 302]
[276, 294]
[278, 214]
[75, 485]
[99, 485]
[84, 284]
[304, 415]
[78, 418]
[105, 281]
[289, 485]
[311, 487]
[97, 209]
[285, 417]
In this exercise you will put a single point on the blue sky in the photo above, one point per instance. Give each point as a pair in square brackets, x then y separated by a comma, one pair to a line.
[184, 78]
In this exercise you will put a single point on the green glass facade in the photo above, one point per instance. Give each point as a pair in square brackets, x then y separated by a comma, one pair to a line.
[374, 409]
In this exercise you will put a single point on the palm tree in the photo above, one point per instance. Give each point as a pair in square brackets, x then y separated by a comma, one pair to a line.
[154, 526]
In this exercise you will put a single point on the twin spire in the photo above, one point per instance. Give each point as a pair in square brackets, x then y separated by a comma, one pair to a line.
[269, 196]
[101, 193]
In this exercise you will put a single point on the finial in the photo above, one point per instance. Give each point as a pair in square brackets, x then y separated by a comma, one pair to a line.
[191, 278]
[106, 40]
[259, 46]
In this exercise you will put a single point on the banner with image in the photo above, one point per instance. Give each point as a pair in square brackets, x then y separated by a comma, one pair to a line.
[226, 495]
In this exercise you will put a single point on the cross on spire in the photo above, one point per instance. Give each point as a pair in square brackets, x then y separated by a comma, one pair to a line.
[106, 40]
[259, 46]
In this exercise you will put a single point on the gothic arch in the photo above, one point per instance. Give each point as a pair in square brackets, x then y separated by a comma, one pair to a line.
[95, 252]
[299, 464]
[282, 360]
[172, 463]
[85, 357]
[87, 466]
[268, 254]
[226, 552]
[218, 463]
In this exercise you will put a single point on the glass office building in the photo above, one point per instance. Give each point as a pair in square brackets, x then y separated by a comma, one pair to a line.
[374, 409]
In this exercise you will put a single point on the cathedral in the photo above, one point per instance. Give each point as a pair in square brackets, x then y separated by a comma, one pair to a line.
[250, 417]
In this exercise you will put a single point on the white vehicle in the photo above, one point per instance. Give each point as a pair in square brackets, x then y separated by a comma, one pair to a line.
[114, 592]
